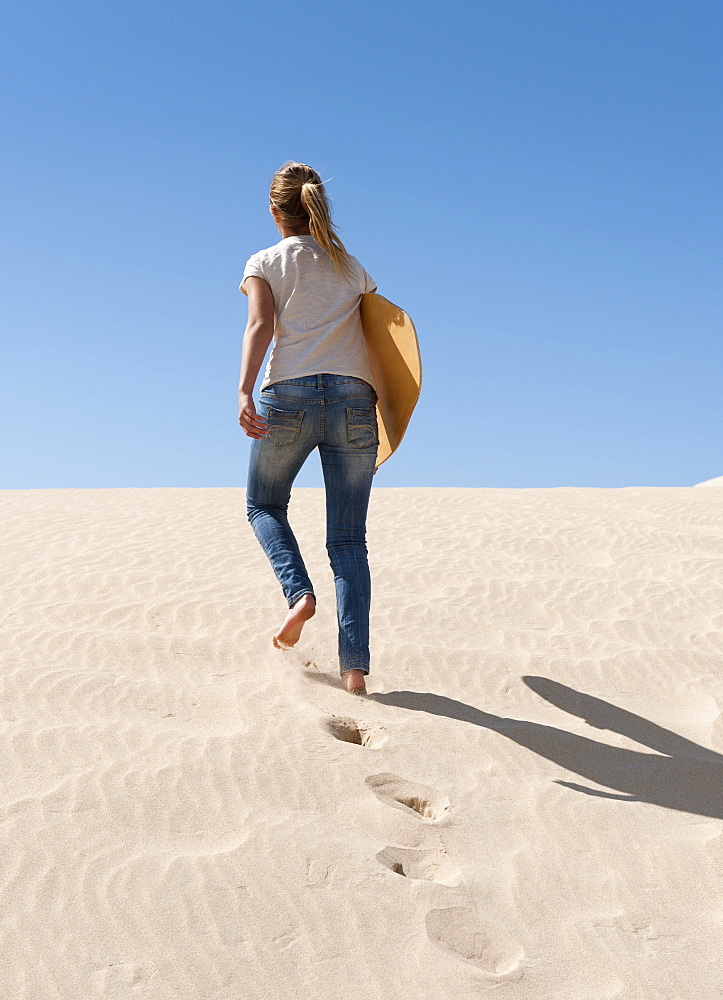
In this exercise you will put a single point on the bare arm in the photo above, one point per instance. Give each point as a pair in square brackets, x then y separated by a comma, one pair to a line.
[257, 337]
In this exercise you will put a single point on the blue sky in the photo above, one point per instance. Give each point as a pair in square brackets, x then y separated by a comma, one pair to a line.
[536, 183]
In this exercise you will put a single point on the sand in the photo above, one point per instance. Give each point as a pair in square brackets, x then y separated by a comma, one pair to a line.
[528, 804]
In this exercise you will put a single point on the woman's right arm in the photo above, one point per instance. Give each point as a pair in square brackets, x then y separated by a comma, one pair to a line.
[257, 337]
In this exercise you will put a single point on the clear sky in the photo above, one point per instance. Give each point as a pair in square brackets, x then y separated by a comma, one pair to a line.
[537, 183]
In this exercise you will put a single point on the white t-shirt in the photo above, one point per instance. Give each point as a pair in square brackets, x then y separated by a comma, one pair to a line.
[317, 321]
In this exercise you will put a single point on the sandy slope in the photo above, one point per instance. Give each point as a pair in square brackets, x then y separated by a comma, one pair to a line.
[528, 804]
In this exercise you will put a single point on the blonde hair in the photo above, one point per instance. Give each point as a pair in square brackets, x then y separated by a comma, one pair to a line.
[298, 193]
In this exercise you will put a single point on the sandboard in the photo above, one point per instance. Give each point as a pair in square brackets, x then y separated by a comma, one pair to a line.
[393, 351]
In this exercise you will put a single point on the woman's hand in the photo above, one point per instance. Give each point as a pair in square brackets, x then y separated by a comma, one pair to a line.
[254, 426]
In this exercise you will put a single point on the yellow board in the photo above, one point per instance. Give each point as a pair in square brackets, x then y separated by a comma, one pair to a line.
[397, 367]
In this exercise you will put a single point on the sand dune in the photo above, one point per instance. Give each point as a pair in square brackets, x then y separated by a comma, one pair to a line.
[529, 803]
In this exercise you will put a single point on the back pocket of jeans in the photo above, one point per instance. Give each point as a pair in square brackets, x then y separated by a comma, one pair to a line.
[361, 426]
[284, 425]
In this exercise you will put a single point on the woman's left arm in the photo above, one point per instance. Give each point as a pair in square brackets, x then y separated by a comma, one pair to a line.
[257, 337]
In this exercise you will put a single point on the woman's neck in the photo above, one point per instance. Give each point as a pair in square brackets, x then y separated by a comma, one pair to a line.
[286, 232]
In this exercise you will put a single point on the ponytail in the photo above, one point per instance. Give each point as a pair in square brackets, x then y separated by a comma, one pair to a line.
[298, 192]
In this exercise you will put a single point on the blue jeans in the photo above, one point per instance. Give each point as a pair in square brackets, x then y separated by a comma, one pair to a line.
[337, 415]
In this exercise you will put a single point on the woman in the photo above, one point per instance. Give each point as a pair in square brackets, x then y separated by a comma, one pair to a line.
[317, 392]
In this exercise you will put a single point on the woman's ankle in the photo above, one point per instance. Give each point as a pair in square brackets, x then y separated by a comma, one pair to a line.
[304, 600]
[354, 681]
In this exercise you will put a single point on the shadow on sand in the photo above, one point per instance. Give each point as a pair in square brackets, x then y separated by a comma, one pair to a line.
[679, 775]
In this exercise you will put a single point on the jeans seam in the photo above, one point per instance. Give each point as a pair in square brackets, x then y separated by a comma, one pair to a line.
[296, 399]
[319, 402]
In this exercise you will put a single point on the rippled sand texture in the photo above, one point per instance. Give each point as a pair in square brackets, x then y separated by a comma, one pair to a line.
[529, 804]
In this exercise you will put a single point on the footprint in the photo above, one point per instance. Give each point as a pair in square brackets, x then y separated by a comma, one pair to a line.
[408, 795]
[365, 734]
[458, 930]
[432, 865]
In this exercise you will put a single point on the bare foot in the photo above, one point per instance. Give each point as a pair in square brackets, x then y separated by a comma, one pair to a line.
[290, 632]
[354, 681]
